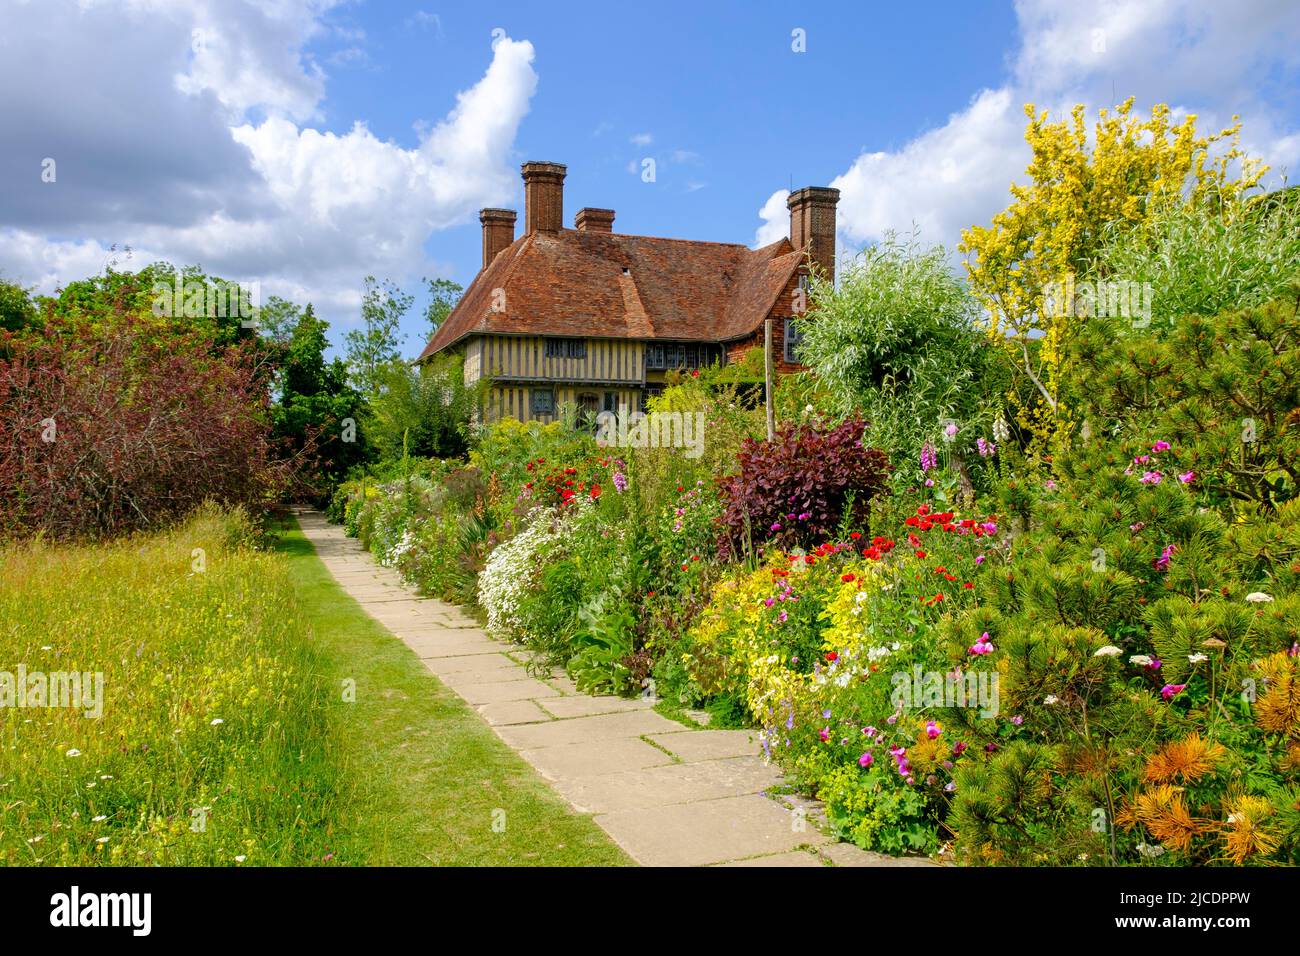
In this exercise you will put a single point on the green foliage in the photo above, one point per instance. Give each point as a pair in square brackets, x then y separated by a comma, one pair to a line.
[443, 296]
[1223, 389]
[1206, 260]
[423, 410]
[377, 344]
[17, 310]
[897, 341]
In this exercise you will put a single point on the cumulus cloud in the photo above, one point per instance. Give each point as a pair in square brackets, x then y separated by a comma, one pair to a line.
[190, 138]
[1214, 60]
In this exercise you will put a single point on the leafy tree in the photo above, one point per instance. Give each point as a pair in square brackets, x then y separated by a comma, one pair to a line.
[1203, 261]
[897, 341]
[1052, 230]
[423, 410]
[443, 296]
[17, 310]
[377, 343]
[318, 411]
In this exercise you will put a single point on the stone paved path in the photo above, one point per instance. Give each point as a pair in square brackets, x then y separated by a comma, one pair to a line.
[667, 794]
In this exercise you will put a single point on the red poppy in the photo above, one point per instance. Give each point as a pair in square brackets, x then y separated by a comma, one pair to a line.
[832, 656]
[846, 578]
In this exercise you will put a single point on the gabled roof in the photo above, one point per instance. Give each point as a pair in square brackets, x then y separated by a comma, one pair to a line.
[599, 284]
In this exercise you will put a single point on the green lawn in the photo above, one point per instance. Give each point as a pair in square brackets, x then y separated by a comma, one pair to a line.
[424, 777]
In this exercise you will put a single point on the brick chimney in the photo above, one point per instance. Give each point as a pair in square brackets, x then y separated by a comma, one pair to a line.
[594, 220]
[498, 231]
[812, 225]
[543, 197]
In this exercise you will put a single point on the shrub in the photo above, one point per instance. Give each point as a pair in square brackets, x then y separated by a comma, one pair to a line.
[117, 429]
[801, 487]
[897, 341]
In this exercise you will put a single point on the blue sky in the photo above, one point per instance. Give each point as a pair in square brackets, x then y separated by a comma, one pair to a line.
[307, 143]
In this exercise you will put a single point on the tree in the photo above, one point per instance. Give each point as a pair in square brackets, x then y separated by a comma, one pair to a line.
[17, 310]
[423, 410]
[318, 409]
[443, 296]
[1055, 224]
[898, 341]
[378, 341]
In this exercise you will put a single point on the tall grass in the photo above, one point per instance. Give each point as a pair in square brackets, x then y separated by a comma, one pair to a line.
[212, 744]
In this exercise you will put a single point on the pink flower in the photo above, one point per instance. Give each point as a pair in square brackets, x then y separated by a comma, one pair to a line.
[1151, 478]
[1162, 563]
[824, 734]
[982, 646]
[979, 559]
[1187, 477]
[866, 760]
[1161, 445]
[932, 729]
[1169, 690]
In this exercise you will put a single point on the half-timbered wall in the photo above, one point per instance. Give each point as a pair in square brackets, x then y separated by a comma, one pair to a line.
[524, 358]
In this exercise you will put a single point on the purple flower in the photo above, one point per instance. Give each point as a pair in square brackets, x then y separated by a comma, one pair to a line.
[1017, 720]
[928, 459]
[986, 448]
[1187, 477]
[1151, 478]
[1161, 445]
[866, 760]
[1169, 690]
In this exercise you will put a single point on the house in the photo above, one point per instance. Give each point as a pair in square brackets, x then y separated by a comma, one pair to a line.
[596, 318]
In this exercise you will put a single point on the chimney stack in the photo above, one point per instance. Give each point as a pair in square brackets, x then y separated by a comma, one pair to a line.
[594, 220]
[543, 197]
[812, 225]
[498, 232]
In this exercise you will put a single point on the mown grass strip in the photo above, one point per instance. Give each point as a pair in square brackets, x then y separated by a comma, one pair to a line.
[428, 781]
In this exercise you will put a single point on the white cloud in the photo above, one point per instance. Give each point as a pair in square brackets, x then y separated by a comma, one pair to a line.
[201, 158]
[776, 219]
[641, 139]
[1210, 59]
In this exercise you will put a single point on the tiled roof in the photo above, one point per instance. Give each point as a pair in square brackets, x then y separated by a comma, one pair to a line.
[593, 284]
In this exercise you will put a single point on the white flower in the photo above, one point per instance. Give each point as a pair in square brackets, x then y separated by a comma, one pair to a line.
[102, 840]
[1148, 850]
[1051, 699]
[215, 721]
[1258, 597]
[1197, 658]
[241, 858]
[74, 752]
[1140, 660]
[1110, 650]
[99, 818]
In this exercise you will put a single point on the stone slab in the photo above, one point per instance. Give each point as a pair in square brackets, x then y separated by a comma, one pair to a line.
[690, 745]
[587, 730]
[709, 831]
[568, 761]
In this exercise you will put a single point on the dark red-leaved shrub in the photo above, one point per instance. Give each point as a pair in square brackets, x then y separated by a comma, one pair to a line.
[797, 488]
[118, 427]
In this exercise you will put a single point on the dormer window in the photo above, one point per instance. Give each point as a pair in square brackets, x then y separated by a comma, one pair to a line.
[566, 348]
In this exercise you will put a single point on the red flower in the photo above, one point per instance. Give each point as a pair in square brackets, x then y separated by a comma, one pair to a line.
[846, 578]
[832, 656]
[595, 491]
